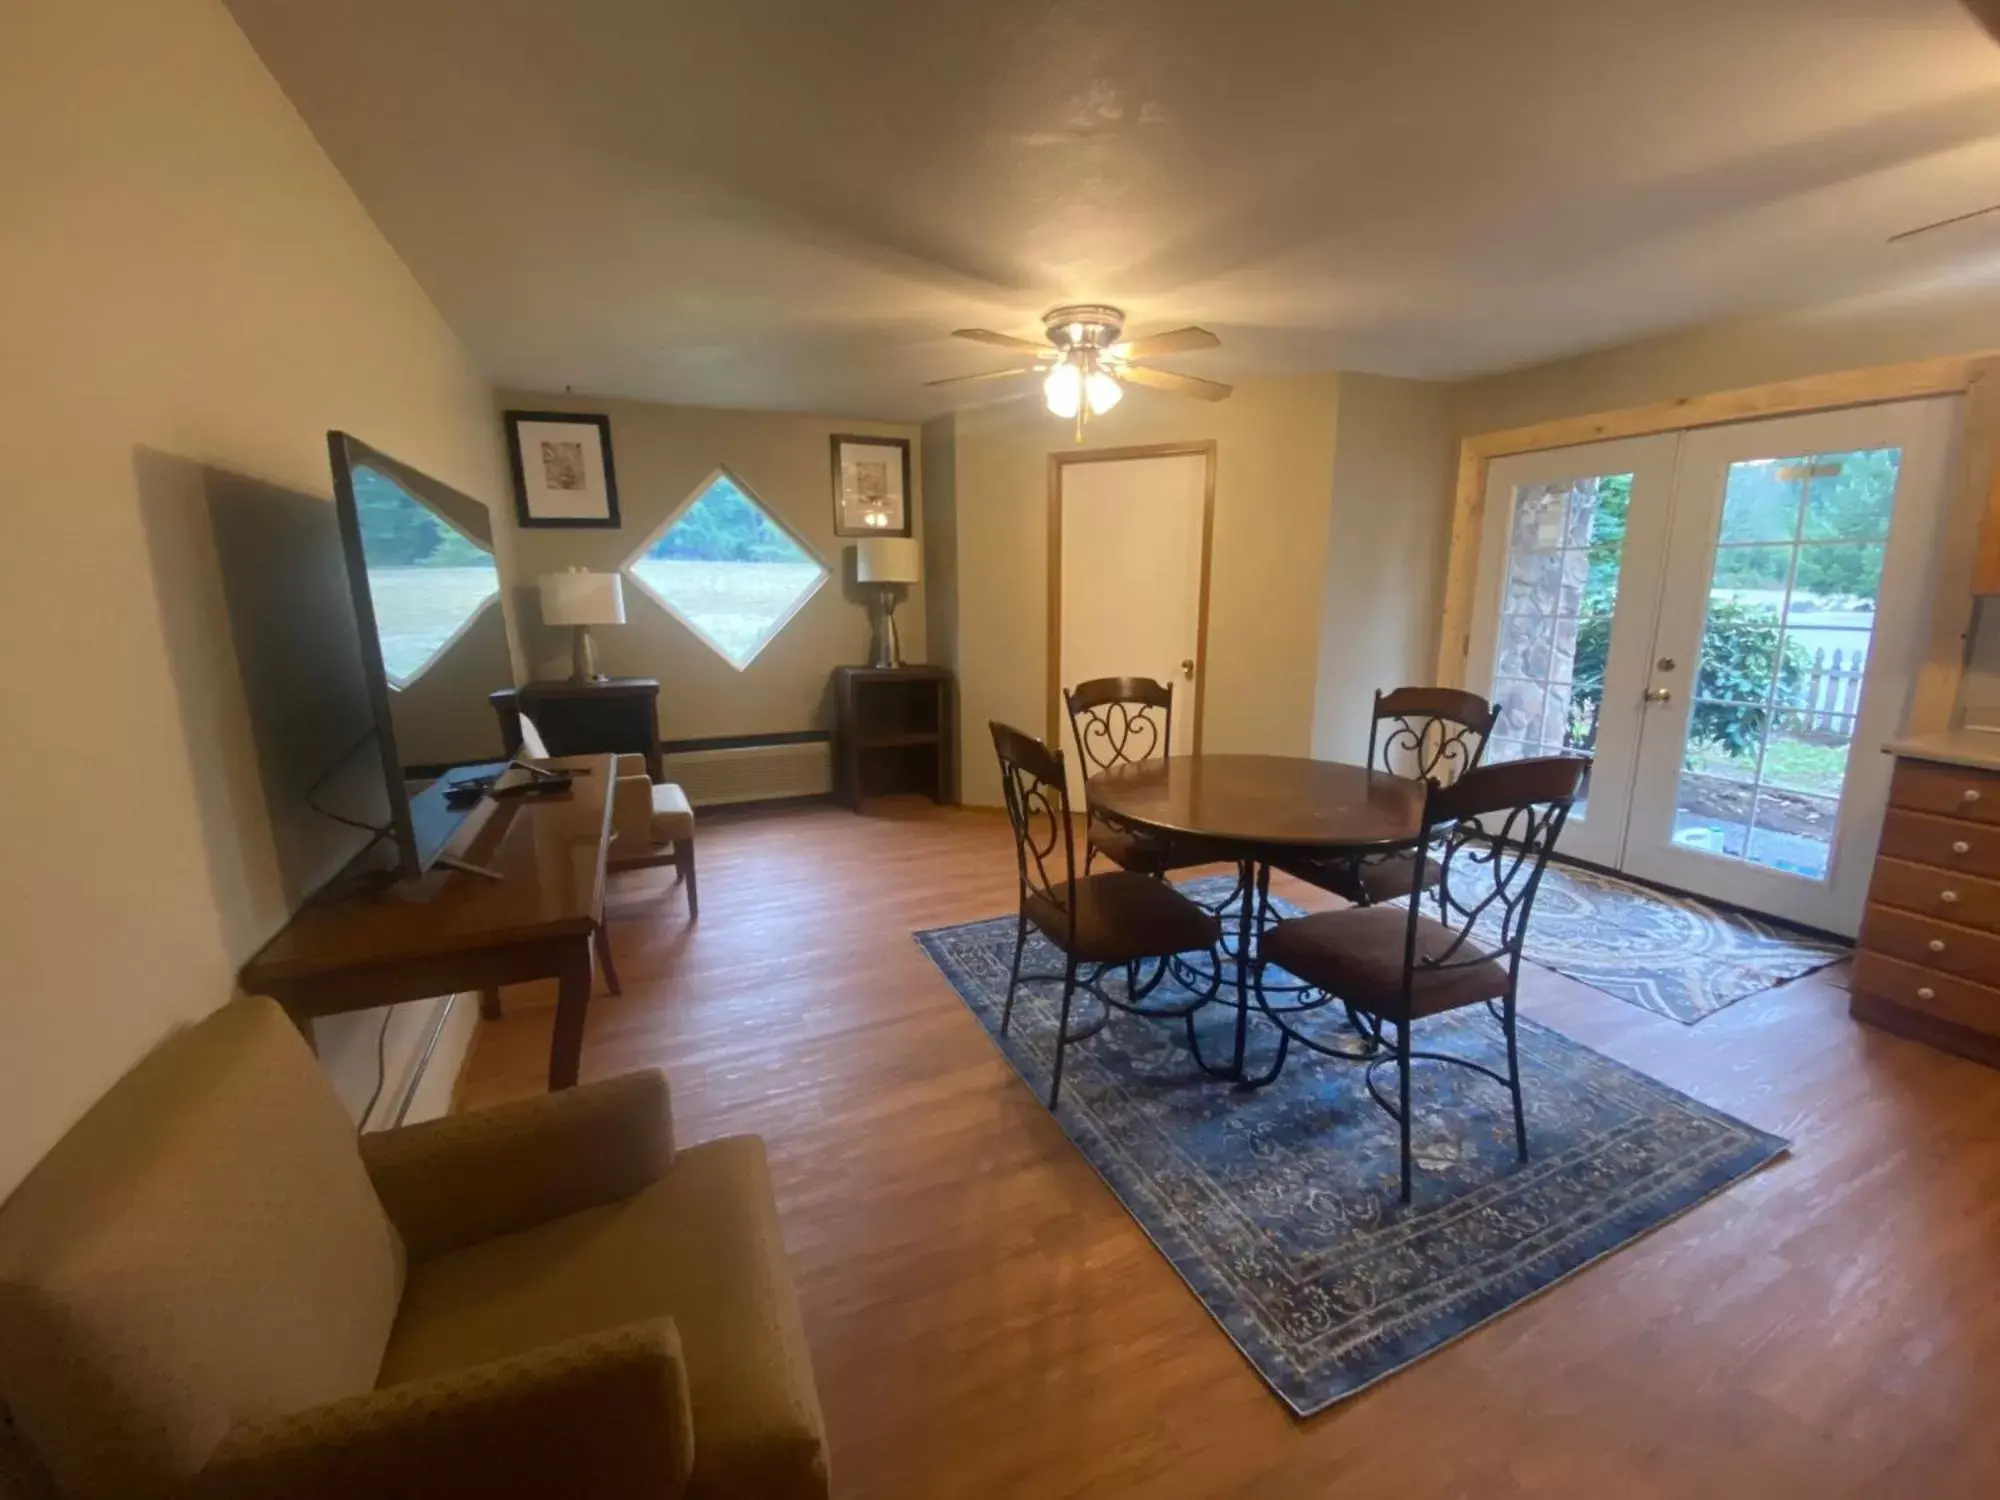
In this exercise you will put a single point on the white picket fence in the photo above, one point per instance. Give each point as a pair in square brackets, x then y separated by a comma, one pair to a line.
[1832, 692]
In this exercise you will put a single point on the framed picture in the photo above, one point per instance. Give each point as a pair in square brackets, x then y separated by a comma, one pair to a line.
[871, 486]
[562, 468]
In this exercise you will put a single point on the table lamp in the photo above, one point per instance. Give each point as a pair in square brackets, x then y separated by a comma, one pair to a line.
[888, 563]
[581, 600]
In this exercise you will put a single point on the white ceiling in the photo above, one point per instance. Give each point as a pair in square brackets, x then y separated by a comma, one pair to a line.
[792, 204]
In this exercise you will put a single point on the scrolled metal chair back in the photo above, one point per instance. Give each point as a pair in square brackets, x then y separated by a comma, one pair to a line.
[1120, 721]
[1036, 791]
[1491, 833]
[1429, 734]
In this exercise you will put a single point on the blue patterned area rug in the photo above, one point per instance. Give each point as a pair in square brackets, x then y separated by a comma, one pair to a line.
[1280, 1207]
[1674, 955]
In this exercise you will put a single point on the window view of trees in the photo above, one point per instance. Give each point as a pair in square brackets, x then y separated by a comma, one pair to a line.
[724, 526]
[399, 531]
[729, 572]
[425, 578]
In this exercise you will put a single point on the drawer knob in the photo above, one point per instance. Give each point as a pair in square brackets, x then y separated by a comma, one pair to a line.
[1925, 992]
[1949, 898]
[1936, 945]
[1970, 794]
[1959, 846]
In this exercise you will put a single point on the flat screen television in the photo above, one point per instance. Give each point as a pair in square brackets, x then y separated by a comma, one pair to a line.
[420, 569]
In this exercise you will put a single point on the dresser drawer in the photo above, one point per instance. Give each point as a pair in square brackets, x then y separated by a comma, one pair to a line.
[1932, 944]
[1945, 842]
[1955, 791]
[1912, 987]
[1945, 894]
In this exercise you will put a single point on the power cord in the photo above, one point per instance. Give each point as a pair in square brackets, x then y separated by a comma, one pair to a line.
[381, 1071]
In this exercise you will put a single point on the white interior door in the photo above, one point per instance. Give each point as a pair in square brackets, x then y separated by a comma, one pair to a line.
[1791, 627]
[1131, 575]
[1571, 560]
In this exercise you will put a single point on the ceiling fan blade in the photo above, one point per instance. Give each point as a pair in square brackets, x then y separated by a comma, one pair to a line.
[1179, 341]
[1179, 385]
[1977, 213]
[1001, 340]
[986, 375]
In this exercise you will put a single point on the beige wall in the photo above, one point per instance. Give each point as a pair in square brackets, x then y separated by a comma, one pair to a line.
[1274, 480]
[662, 455]
[191, 298]
[1385, 557]
[1947, 319]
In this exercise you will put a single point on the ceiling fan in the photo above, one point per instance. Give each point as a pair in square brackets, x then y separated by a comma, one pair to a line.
[1083, 366]
[1987, 13]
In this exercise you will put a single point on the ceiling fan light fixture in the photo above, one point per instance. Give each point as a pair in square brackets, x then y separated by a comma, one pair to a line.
[1101, 392]
[1062, 392]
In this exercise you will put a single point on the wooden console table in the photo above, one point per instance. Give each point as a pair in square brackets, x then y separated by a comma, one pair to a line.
[356, 948]
[615, 716]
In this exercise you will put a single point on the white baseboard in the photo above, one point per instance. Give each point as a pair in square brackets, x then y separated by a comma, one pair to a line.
[419, 1057]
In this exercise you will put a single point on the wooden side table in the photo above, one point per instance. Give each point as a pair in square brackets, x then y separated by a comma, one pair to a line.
[893, 732]
[354, 948]
[616, 716]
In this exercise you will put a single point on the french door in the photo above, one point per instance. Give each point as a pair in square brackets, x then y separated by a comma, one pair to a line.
[1728, 621]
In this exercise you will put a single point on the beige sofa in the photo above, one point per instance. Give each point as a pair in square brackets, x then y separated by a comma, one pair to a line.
[209, 1288]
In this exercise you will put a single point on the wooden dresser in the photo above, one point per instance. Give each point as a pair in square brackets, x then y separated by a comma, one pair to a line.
[1929, 961]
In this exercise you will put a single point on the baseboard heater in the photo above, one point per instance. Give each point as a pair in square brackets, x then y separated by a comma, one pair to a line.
[716, 774]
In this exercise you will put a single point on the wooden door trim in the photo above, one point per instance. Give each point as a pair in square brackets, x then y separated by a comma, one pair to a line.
[1960, 540]
[1205, 450]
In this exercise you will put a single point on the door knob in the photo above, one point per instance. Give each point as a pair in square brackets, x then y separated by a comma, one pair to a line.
[1936, 945]
[1960, 846]
[1659, 695]
[1187, 668]
[1925, 992]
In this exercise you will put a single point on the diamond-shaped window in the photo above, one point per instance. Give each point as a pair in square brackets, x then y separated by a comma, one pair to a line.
[726, 568]
[427, 579]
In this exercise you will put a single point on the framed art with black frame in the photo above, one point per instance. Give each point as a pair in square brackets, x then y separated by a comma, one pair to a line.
[871, 486]
[563, 474]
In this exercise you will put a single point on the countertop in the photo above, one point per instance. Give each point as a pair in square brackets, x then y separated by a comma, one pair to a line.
[1954, 747]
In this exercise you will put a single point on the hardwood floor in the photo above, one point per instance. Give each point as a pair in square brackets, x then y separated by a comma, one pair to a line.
[987, 1321]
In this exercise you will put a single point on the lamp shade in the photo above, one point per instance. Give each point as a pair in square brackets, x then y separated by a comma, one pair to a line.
[580, 598]
[887, 559]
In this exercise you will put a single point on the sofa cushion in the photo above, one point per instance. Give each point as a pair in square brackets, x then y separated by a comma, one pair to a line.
[700, 1246]
[202, 1249]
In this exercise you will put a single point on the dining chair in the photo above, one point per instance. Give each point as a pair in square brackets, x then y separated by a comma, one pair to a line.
[1115, 920]
[1492, 831]
[1122, 721]
[1423, 733]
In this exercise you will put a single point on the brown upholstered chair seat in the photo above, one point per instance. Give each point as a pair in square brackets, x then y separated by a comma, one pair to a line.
[1121, 916]
[1356, 955]
[1148, 854]
[1367, 880]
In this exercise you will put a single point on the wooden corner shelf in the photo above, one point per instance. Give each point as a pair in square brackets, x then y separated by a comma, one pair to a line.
[893, 732]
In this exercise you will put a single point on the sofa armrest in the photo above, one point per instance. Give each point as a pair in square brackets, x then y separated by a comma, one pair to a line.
[466, 1178]
[603, 1416]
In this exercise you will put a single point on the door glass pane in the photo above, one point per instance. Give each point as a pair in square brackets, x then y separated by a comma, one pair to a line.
[1565, 547]
[1784, 649]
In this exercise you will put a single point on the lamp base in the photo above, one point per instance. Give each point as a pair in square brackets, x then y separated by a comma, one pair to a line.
[887, 649]
[583, 658]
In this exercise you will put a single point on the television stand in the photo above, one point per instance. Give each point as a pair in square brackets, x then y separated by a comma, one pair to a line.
[466, 867]
[539, 916]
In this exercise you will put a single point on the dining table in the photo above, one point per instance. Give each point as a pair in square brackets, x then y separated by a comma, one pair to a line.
[1254, 811]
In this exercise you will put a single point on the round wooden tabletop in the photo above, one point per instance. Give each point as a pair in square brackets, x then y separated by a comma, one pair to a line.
[1263, 801]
